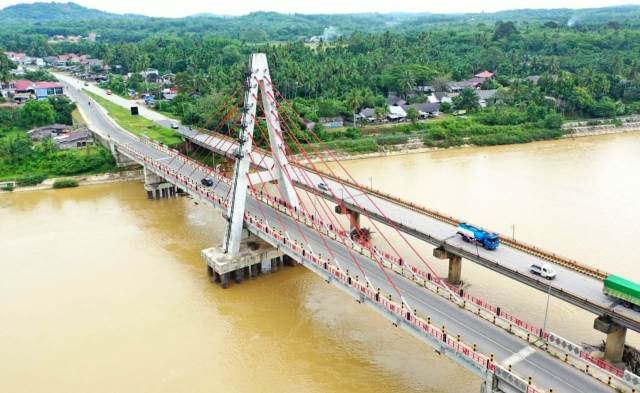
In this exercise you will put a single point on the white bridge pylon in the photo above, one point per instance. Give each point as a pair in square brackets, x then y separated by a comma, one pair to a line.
[257, 80]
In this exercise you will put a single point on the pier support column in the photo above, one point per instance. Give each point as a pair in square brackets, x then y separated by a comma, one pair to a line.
[239, 275]
[224, 280]
[616, 335]
[455, 265]
[156, 186]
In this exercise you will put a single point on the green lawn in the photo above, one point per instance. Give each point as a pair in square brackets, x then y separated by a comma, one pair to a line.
[138, 125]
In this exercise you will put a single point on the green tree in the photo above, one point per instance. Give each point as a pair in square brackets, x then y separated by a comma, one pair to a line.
[63, 108]
[15, 148]
[35, 113]
[406, 82]
[413, 115]
[381, 112]
[504, 30]
[354, 100]
[467, 99]
[6, 65]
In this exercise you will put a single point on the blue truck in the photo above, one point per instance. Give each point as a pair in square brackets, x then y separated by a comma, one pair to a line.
[469, 233]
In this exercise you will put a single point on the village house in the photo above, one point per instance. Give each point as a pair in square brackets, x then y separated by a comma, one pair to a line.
[425, 110]
[49, 131]
[473, 83]
[74, 139]
[439, 97]
[170, 93]
[394, 100]
[23, 89]
[16, 57]
[368, 114]
[485, 97]
[150, 75]
[396, 113]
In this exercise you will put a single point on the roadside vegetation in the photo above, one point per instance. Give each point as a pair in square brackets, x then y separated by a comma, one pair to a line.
[138, 125]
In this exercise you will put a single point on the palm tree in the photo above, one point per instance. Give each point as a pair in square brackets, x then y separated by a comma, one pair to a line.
[354, 102]
[406, 82]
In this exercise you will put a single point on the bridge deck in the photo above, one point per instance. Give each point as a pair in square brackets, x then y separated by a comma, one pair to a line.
[574, 284]
[547, 372]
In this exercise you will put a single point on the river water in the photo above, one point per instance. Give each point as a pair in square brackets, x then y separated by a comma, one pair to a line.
[102, 290]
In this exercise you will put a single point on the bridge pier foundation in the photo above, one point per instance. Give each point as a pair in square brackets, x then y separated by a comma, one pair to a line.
[255, 255]
[616, 336]
[157, 187]
[455, 265]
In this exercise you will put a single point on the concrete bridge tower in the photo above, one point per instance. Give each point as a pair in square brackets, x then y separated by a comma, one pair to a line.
[239, 250]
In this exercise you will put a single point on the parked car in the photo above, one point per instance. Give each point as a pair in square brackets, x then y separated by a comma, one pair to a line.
[323, 187]
[207, 182]
[174, 126]
[108, 92]
[86, 83]
[544, 270]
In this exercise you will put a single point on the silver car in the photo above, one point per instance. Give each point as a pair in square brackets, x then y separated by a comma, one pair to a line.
[544, 270]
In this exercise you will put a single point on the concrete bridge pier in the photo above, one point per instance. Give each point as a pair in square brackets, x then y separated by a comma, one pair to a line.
[616, 336]
[157, 187]
[455, 265]
[255, 256]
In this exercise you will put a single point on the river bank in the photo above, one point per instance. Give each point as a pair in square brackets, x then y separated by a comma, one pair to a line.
[83, 180]
[417, 147]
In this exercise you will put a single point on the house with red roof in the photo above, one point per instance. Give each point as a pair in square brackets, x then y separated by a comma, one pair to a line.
[24, 89]
[45, 90]
[485, 75]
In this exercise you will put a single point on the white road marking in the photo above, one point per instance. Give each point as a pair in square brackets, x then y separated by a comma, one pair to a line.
[518, 356]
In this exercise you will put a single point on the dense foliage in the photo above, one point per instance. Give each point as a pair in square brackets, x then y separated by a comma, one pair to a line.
[586, 63]
[259, 27]
[30, 164]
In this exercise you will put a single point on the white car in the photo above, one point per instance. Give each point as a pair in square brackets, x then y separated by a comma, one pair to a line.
[174, 126]
[544, 270]
[323, 187]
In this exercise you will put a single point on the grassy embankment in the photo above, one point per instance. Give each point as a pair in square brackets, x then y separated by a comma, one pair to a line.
[138, 125]
[446, 132]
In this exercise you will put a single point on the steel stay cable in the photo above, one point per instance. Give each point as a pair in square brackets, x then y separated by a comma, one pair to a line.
[394, 226]
[349, 250]
[361, 234]
[324, 240]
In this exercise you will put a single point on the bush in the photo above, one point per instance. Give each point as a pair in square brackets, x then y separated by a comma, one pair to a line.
[392, 139]
[32, 179]
[364, 145]
[65, 183]
[553, 121]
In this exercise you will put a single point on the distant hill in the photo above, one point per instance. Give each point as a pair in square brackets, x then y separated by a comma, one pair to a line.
[39, 12]
[72, 19]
